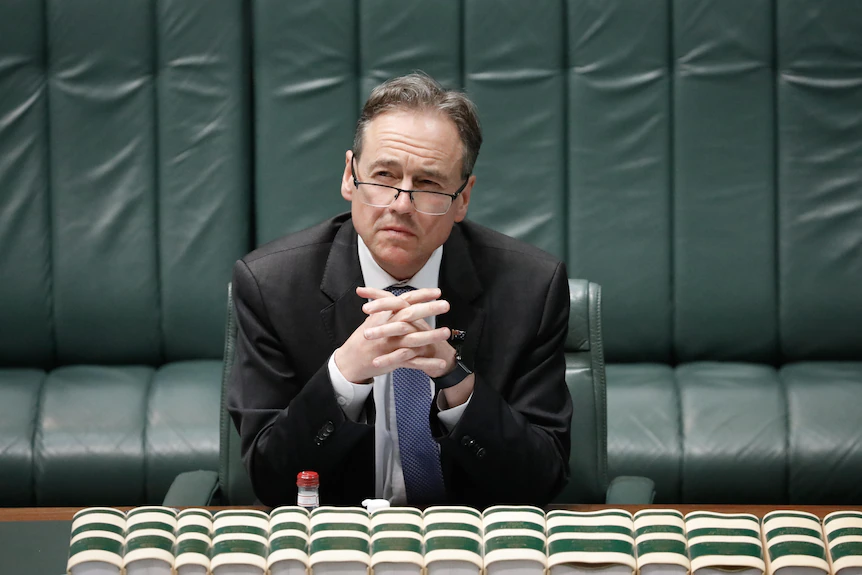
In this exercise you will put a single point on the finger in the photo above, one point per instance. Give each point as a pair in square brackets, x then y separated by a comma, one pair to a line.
[430, 365]
[394, 359]
[390, 330]
[385, 304]
[421, 295]
[422, 310]
[372, 293]
[392, 303]
[423, 338]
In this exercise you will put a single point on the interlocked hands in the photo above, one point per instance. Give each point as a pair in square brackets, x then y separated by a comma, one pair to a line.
[395, 334]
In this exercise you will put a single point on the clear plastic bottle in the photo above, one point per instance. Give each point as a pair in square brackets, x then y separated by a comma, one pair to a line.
[308, 490]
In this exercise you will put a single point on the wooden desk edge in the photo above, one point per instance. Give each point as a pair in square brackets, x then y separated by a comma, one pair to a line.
[66, 513]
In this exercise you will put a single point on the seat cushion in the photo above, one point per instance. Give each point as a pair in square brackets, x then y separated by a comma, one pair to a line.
[97, 435]
[713, 432]
[825, 436]
[19, 402]
[644, 425]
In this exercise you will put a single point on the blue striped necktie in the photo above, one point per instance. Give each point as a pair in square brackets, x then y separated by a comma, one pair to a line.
[420, 454]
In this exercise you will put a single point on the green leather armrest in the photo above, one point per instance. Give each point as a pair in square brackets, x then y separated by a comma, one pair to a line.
[630, 490]
[192, 489]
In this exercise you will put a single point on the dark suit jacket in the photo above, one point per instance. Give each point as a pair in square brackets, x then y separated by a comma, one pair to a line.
[296, 303]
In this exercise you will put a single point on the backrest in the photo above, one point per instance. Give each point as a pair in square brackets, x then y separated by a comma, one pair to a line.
[585, 377]
[700, 159]
[124, 195]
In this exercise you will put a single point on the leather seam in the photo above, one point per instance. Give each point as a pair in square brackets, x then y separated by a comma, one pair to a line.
[594, 313]
[227, 362]
[145, 463]
[786, 397]
[36, 438]
[603, 424]
[679, 432]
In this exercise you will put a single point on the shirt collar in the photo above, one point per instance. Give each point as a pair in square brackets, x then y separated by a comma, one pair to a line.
[376, 277]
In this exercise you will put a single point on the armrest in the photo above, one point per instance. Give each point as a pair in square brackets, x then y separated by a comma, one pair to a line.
[630, 490]
[192, 489]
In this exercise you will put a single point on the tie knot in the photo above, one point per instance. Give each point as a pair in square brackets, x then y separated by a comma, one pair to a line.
[397, 290]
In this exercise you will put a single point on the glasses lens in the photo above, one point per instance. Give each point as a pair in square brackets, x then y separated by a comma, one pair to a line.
[430, 203]
[379, 196]
[382, 196]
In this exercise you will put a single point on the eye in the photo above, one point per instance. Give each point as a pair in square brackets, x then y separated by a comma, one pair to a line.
[428, 183]
[382, 174]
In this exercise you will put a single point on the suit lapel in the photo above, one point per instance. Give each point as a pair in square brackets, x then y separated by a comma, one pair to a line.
[460, 286]
[341, 277]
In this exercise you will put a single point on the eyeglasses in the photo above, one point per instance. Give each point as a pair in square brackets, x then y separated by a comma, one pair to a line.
[425, 201]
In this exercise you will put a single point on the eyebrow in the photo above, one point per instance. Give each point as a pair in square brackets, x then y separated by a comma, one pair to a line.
[389, 163]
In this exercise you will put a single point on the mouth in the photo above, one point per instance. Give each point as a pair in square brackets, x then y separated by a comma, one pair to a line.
[397, 230]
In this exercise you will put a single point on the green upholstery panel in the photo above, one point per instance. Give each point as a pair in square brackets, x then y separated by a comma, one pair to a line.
[89, 445]
[713, 432]
[644, 435]
[182, 423]
[20, 390]
[734, 430]
[91, 435]
[825, 442]
[103, 185]
[724, 193]
[618, 165]
[24, 209]
[306, 106]
[434, 30]
[124, 176]
[203, 168]
[819, 97]
[516, 80]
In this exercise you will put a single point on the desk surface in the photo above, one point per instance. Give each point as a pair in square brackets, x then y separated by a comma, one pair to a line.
[35, 541]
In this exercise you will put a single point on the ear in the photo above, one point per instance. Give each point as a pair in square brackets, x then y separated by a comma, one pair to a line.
[463, 201]
[347, 187]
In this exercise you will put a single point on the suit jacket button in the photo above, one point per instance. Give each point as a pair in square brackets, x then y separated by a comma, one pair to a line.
[328, 428]
[480, 453]
[467, 441]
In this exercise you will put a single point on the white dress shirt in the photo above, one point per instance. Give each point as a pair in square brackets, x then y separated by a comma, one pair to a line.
[389, 478]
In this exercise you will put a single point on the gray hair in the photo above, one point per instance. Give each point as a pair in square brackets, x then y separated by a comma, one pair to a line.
[419, 91]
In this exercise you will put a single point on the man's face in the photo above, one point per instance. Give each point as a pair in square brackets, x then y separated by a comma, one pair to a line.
[409, 150]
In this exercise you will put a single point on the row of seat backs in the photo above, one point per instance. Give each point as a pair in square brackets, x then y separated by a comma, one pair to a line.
[701, 159]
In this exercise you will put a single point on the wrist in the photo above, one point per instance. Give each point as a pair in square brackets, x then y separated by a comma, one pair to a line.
[457, 374]
[343, 365]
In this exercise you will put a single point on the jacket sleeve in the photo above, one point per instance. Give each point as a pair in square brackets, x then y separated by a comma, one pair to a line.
[287, 423]
[512, 446]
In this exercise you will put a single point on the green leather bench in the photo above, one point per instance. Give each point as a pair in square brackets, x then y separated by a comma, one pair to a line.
[699, 159]
[124, 200]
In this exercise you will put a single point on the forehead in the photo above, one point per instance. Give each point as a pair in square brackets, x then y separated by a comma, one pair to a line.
[414, 137]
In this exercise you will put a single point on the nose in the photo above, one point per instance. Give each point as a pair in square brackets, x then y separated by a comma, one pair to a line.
[402, 203]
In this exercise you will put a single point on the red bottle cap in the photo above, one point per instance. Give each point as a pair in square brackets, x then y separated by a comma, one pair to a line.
[307, 479]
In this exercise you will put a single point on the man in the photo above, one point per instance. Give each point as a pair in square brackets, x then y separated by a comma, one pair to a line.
[400, 351]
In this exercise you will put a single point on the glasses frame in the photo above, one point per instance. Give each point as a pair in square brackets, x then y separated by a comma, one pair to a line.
[399, 191]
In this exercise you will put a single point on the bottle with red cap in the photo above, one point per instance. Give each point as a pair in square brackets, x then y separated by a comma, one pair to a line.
[308, 490]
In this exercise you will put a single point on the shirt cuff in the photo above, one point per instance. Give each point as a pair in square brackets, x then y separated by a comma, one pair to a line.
[450, 416]
[350, 396]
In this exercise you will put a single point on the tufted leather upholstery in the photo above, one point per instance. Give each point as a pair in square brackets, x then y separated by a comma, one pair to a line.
[701, 160]
[124, 201]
